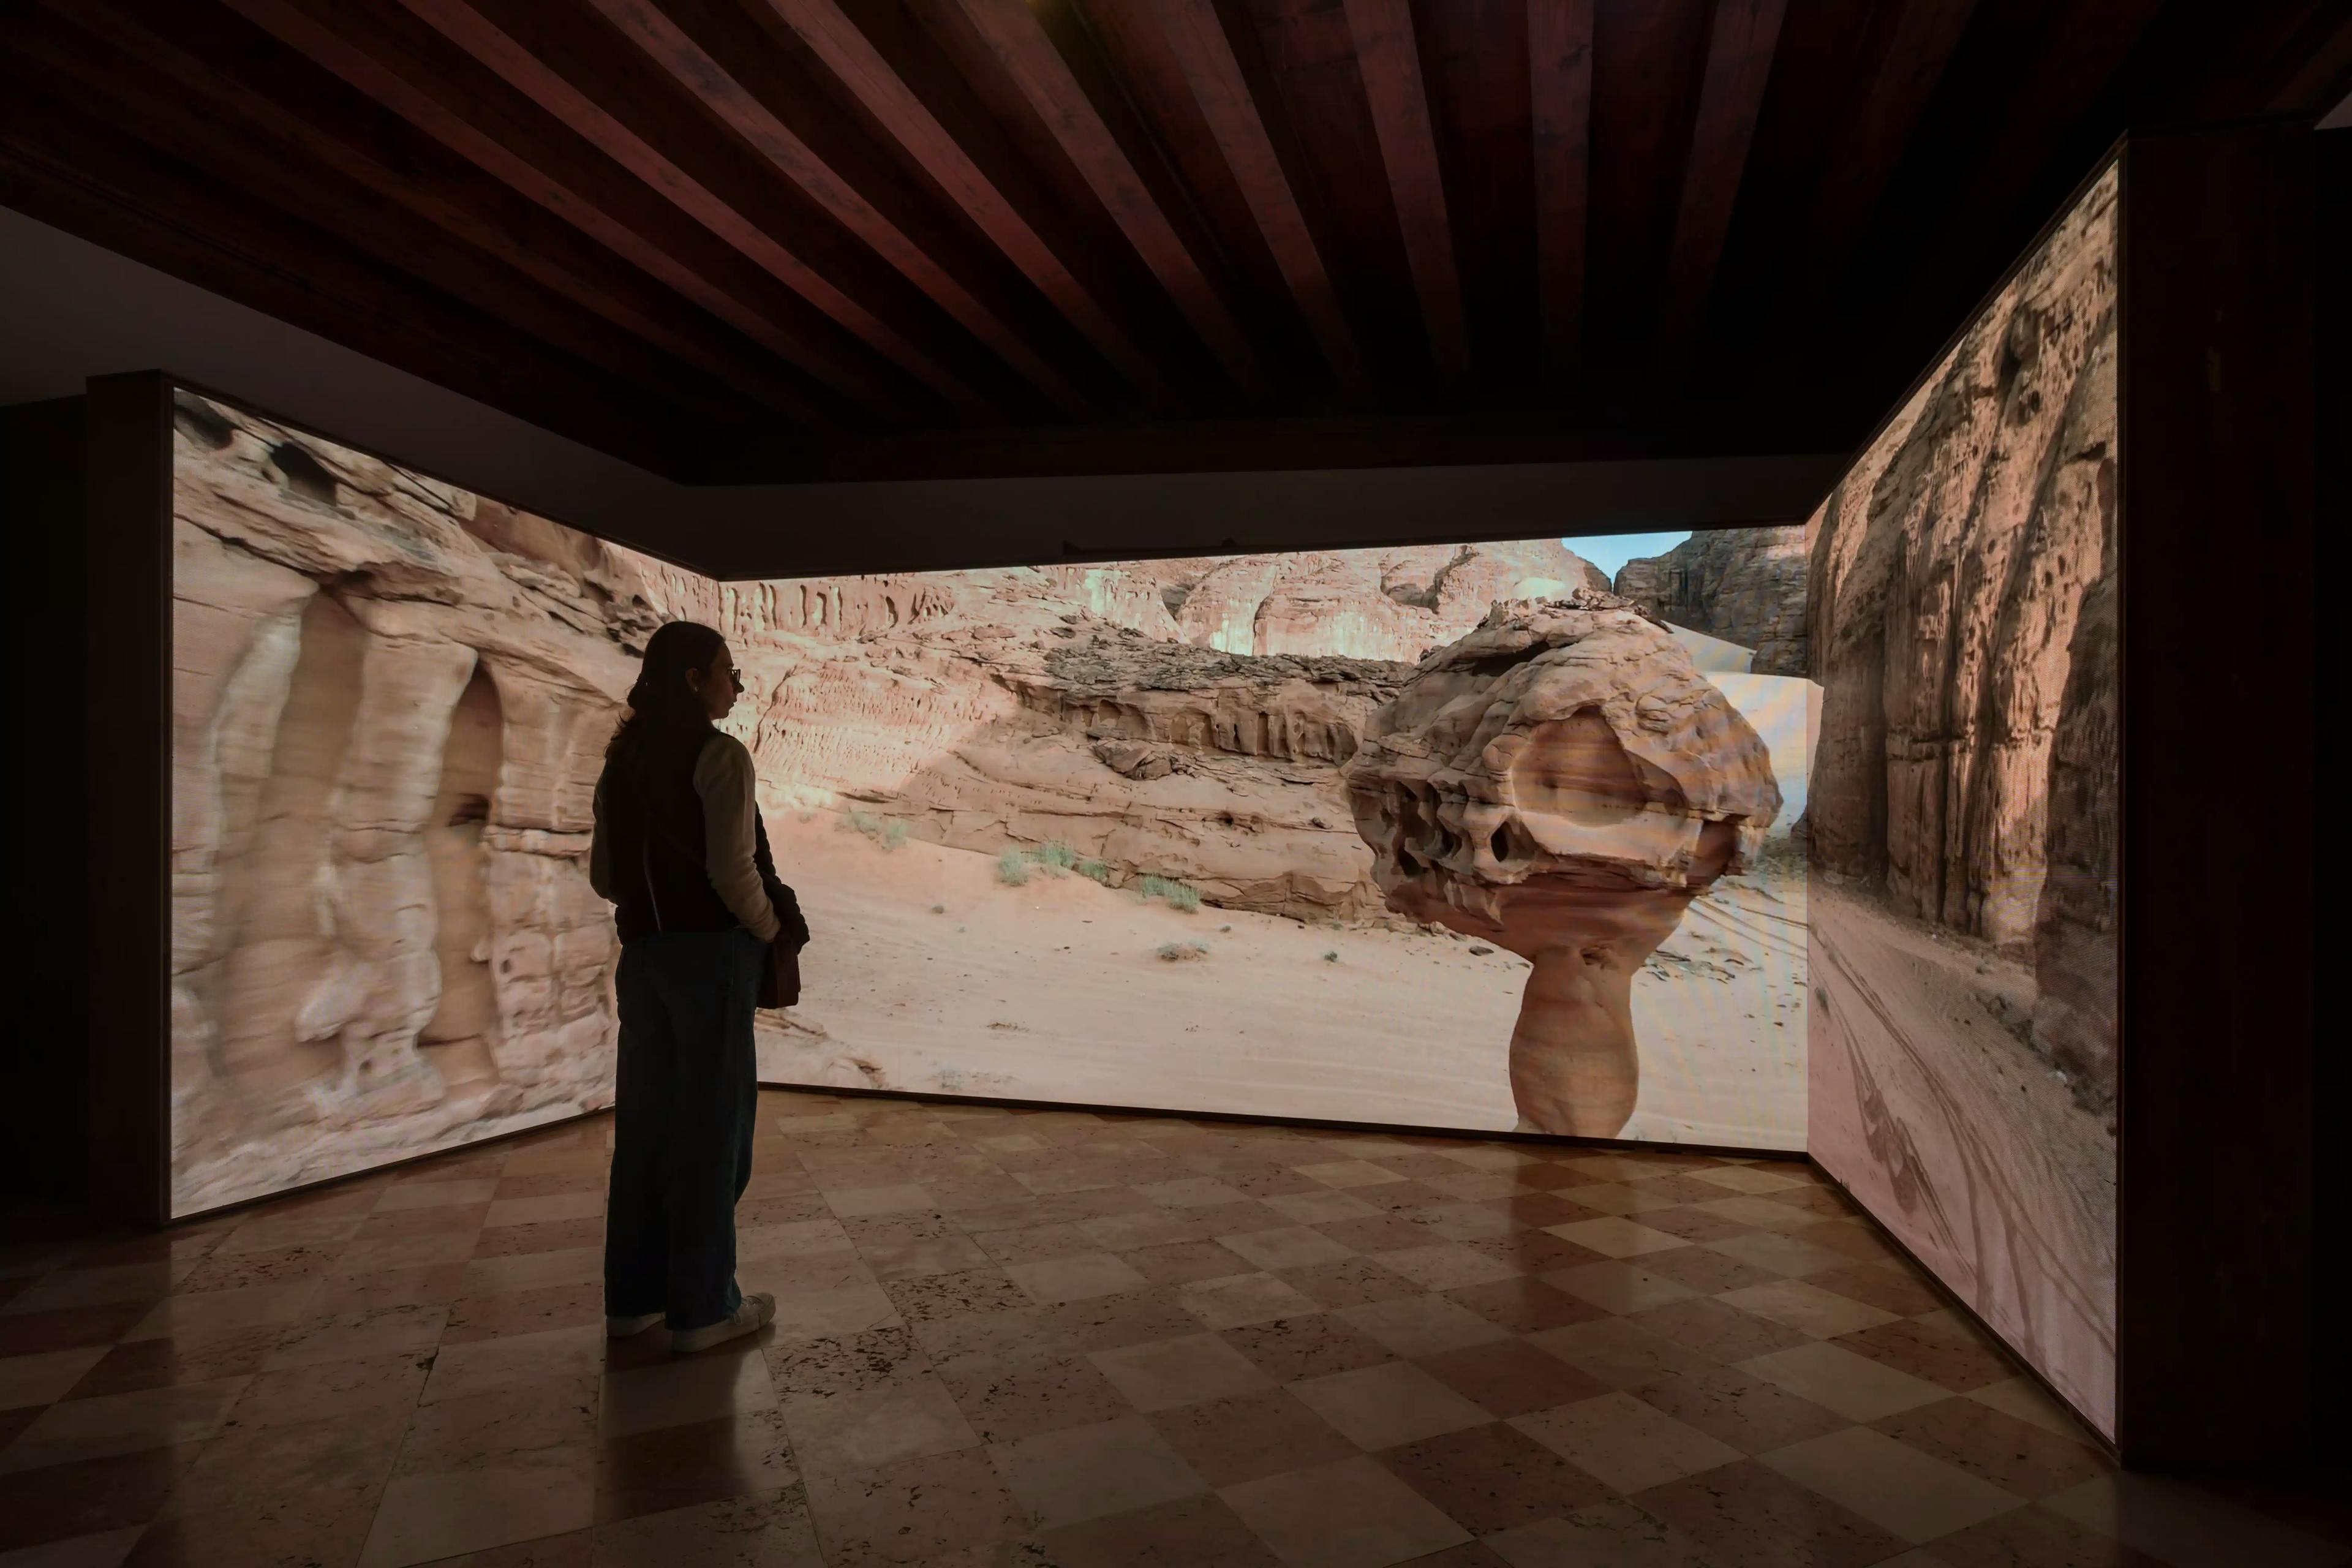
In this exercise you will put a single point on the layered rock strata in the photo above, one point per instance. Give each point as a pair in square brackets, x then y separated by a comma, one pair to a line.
[389, 702]
[1562, 782]
[1745, 585]
[1152, 758]
[1962, 621]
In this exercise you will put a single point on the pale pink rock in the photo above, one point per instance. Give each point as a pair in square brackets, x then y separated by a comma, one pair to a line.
[1562, 782]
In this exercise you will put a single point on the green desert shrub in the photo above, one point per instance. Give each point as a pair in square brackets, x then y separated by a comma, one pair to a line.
[1013, 869]
[1333, 956]
[1179, 896]
[1181, 951]
[888, 835]
[1094, 871]
[1054, 855]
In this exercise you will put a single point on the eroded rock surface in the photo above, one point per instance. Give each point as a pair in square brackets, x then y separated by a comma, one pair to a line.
[1962, 623]
[1962, 1031]
[1745, 585]
[1185, 718]
[391, 703]
[1562, 782]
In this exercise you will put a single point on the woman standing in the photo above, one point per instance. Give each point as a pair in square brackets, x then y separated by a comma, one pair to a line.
[680, 848]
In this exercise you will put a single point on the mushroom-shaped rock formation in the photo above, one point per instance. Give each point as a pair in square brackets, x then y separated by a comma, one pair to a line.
[1562, 782]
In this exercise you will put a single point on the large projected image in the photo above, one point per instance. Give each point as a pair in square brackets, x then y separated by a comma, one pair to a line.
[1448, 836]
[390, 702]
[1963, 820]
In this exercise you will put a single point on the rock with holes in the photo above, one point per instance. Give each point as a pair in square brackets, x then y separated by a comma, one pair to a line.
[1562, 782]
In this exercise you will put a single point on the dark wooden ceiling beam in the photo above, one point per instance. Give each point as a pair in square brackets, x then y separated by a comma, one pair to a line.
[1739, 53]
[1390, 59]
[855, 62]
[220, 132]
[1896, 83]
[1559, 79]
[2082, 46]
[663, 41]
[360, 47]
[1197, 40]
[476, 34]
[1028, 58]
[86, 177]
[274, 85]
[352, 44]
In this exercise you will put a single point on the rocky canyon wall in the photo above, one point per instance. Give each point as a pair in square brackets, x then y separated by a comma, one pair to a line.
[1963, 814]
[390, 699]
[1952, 573]
[1745, 585]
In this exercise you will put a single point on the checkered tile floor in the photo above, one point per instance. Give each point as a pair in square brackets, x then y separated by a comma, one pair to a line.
[1058, 1338]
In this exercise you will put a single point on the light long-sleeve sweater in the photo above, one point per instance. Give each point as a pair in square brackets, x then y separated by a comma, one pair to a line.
[725, 782]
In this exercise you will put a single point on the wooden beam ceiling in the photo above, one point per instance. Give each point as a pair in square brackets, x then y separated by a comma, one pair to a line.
[802, 240]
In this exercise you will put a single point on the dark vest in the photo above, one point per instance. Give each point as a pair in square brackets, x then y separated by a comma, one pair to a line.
[654, 835]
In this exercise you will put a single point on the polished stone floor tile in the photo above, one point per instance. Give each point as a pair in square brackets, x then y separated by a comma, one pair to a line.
[906, 1418]
[1525, 1306]
[1613, 1533]
[1349, 1513]
[1493, 1477]
[122, 1424]
[2011, 1453]
[767, 1529]
[1807, 1306]
[1420, 1325]
[1382, 1406]
[1718, 1330]
[1623, 1441]
[1014, 1338]
[1195, 1532]
[425, 1518]
[1745, 1515]
[681, 1467]
[1243, 1437]
[1287, 1349]
[1855, 1387]
[1084, 1472]
[1898, 1489]
[1511, 1376]
[1229, 1304]
[1737, 1407]
[1008, 1397]
[1620, 1286]
[727, 1381]
[1159, 1373]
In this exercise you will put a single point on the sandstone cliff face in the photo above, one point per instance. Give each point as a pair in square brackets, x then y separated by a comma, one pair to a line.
[1953, 569]
[1392, 604]
[390, 702]
[1185, 718]
[1962, 815]
[1155, 758]
[1745, 585]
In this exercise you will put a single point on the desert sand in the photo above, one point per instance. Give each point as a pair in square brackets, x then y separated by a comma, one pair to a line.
[1950, 1128]
[1053, 991]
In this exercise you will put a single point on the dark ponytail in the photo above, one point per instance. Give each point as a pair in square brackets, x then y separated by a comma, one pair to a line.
[661, 704]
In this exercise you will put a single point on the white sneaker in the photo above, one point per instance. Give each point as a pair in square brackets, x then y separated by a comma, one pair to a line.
[758, 1308]
[629, 1328]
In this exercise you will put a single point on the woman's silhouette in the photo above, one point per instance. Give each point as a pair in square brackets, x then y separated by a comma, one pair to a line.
[680, 848]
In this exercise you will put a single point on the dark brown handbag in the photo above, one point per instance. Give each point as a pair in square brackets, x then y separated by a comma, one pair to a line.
[780, 977]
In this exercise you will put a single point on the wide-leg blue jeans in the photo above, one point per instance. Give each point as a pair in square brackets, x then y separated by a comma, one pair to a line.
[685, 1108]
